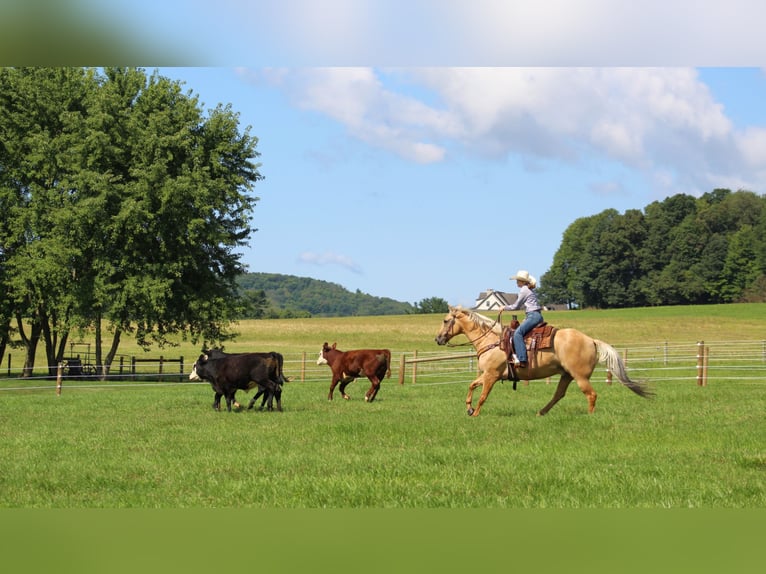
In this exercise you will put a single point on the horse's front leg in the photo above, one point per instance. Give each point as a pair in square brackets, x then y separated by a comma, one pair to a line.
[488, 380]
[469, 398]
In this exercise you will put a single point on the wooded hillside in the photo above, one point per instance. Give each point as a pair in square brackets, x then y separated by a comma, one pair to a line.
[274, 295]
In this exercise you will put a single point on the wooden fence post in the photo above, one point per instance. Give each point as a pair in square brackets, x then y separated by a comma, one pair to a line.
[59, 378]
[700, 361]
[402, 363]
[414, 368]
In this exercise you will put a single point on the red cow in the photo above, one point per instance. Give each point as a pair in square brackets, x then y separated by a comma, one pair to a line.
[346, 366]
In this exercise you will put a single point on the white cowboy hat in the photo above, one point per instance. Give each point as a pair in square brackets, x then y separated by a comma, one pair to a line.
[522, 275]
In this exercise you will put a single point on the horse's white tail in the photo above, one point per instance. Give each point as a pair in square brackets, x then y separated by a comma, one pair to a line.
[609, 355]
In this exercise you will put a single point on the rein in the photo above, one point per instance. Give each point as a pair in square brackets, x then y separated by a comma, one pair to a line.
[472, 341]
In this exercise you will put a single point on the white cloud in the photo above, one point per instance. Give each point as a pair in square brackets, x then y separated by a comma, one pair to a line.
[752, 145]
[356, 98]
[657, 120]
[330, 258]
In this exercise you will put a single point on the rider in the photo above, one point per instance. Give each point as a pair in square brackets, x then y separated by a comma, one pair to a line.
[528, 299]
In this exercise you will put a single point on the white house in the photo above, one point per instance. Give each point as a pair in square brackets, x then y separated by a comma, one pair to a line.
[491, 300]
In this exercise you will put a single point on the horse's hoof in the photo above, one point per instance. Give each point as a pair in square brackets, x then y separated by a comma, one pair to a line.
[470, 411]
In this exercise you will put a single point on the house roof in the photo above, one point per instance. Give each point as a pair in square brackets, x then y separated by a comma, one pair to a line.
[491, 299]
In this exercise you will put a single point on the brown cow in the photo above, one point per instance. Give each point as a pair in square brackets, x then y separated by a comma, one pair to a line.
[346, 366]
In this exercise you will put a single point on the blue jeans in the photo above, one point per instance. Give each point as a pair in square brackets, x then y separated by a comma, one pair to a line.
[530, 322]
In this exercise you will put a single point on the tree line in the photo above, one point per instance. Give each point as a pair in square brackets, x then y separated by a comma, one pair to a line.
[678, 251]
[122, 208]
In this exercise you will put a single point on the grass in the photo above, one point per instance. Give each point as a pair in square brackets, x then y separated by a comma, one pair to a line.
[164, 447]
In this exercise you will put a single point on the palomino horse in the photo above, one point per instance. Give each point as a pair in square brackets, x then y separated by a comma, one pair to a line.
[574, 356]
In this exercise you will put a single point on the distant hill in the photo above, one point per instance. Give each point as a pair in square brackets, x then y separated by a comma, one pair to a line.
[291, 296]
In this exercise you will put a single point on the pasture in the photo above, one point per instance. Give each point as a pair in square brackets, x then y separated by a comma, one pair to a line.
[152, 446]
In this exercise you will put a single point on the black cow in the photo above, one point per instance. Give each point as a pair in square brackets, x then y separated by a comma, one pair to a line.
[277, 375]
[229, 373]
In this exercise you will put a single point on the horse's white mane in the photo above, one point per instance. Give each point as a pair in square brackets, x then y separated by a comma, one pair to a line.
[480, 320]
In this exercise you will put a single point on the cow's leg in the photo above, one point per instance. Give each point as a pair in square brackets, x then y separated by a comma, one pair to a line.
[217, 401]
[230, 400]
[261, 390]
[370, 396]
[343, 383]
[269, 398]
[274, 390]
[333, 383]
[278, 395]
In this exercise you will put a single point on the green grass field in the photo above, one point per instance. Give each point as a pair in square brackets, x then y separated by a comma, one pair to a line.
[147, 446]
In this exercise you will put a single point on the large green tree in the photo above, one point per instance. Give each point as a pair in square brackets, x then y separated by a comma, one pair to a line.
[129, 205]
[41, 124]
[565, 281]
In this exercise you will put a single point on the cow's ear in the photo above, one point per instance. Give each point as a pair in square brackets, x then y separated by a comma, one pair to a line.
[334, 345]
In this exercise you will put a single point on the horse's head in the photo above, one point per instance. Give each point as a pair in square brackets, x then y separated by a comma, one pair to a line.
[450, 326]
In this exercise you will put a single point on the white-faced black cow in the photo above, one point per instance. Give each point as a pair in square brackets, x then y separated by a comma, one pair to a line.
[375, 364]
[229, 373]
[276, 363]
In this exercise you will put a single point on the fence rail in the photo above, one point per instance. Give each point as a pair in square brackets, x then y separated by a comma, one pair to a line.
[700, 363]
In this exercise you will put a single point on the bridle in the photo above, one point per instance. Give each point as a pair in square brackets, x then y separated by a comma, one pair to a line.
[470, 341]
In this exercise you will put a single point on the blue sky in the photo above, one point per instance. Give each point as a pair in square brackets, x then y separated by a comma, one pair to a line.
[412, 168]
